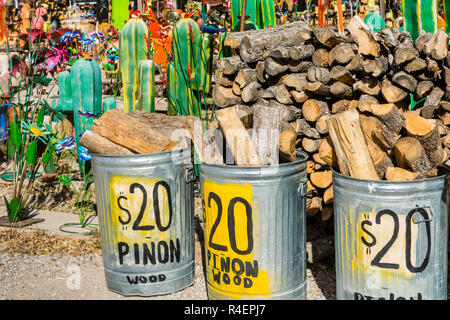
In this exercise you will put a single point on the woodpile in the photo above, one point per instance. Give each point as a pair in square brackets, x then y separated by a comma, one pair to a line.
[372, 105]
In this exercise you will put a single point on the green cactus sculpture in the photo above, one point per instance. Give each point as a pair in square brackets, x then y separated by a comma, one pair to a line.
[146, 88]
[420, 15]
[87, 93]
[192, 64]
[109, 103]
[65, 91]
[132, 50]
[171, 90]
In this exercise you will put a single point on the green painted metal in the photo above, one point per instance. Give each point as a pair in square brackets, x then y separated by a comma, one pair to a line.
[119, 13]
[261, 12]
[171, 90]
[428, 15]
[447, 15]
[146, 92]
[109, 103]
[420, 15]
[87, 93]
[65, 91]
[192, 63]
[132, 49]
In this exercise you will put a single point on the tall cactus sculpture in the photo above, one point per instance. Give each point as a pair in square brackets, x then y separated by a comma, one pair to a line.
[132, 50]
[87, 93]
[190, 74]
[65, 91]
[420, 15]
[146, 86]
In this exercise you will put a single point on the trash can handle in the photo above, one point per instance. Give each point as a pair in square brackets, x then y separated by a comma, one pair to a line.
[189, 175]
[303, 186]
[425, 220]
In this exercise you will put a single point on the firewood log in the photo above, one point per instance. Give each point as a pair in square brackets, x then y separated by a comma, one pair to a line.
[409, 154]
[400, 174]
[313, 109]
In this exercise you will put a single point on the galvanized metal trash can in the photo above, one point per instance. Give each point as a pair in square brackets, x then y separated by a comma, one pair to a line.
[391, 238]
[146, 210]
[255, 230]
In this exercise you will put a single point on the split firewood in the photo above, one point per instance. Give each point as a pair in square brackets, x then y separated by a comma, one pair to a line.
[380, 159]
[273, 68]
[320, 57]
[321, 124]
[329, 37]
[222, 79]
[321, 179]
[224, 97]
[311, 145]
[437, 47]
[365, 102]
[432, 102]
[299, 66]
[313, 109]
[400, 174]
[303, 128]
[341, 74]
[391, 92]
[328, 195]
[376, 67]
[390, 115]
[313, 206]
[409, 154]
[427, 132]
[405, 54]
[95, 143]
[423, 89]
[231, 65]
[366, 44]
[341, 54]
[350, 146]
[368, 85]
[237, 138]
[301, 52]
[378, 132]
[250, 92]
[319, 74]
[131, 133]
[415, 65]
[295, 80]
[236, 89]
[245, 77]
[283, 96]
[317, 88]
[287, 142]
[405, 80]
[326, 152]
[341, 90]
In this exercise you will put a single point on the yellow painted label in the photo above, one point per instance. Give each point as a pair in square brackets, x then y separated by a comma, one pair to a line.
[231, 241]
[385, 248]
[142, 220]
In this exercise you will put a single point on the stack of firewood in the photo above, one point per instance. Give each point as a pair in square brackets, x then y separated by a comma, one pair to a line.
[311, 85]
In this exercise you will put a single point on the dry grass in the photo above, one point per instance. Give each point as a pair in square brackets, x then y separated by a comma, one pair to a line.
[40, 242]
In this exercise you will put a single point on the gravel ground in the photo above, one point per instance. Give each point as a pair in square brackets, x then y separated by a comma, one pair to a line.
[25, 277]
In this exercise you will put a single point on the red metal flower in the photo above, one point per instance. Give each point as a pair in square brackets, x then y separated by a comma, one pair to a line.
[189, 71]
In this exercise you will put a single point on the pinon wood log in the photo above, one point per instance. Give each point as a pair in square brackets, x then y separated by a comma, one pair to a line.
[352, 154]
[95, 143]
[410, 155]
[400, 174]
[237, 138]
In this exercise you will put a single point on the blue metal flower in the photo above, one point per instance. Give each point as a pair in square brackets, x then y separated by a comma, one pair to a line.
[88, 114]
[65, 144]
[83, 153]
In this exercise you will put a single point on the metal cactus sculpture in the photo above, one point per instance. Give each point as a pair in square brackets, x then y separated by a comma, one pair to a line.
[87, 94]
[132, 50]
[420, 15]
[65, 91]
[146, 89]
[190, 71]
[109, 103]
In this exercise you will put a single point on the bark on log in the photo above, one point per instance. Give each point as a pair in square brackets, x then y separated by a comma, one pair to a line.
[95, 143]
[409, 154]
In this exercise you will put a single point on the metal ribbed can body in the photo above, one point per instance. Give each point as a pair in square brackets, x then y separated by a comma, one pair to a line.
[391, 238]
[255, 230]
[145, 208]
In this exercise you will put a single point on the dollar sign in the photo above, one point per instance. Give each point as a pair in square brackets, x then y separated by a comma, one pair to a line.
[374, 241]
